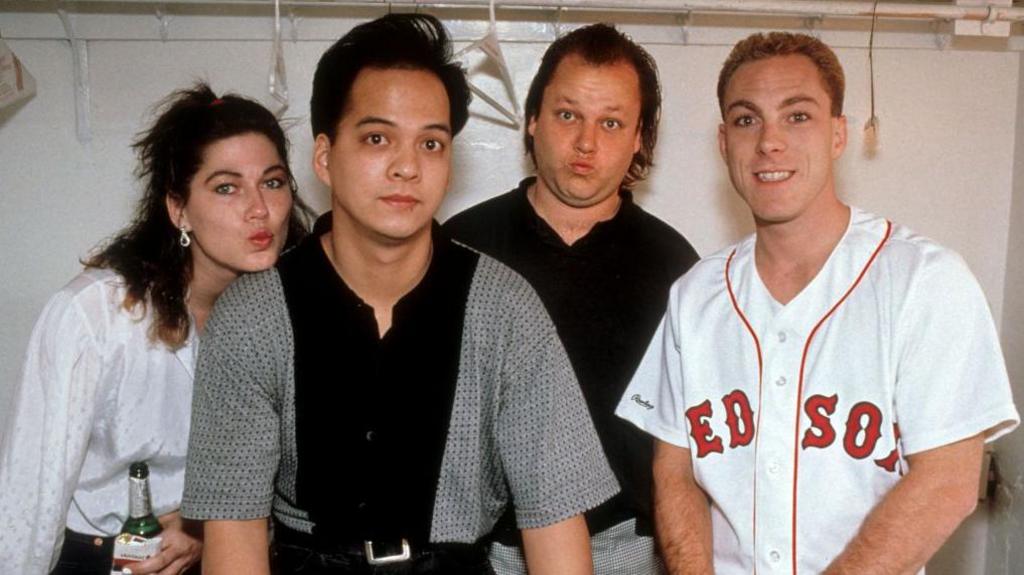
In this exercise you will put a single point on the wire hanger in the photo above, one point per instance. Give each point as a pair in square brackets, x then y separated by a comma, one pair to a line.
[277, 80]
[491, 46]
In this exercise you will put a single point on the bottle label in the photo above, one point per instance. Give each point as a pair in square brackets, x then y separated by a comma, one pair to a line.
[129, 549]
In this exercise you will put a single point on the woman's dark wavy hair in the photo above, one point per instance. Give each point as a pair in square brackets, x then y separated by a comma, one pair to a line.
[395, 41]
[155, 268]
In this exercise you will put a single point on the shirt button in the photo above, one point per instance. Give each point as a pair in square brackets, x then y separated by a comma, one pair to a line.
[775, 556]
[782, 337]
[781, 381]
[370, 435]
[773, 468]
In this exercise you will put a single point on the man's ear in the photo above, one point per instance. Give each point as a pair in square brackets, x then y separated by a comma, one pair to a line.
[838, 136]
[722, 149]
[321, 157]
[531, 125]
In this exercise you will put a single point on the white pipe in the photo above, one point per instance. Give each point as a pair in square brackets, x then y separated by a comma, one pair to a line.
[848, 8]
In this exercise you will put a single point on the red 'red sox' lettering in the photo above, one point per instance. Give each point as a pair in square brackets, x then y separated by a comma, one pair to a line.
[861, 436]
[872, 430]
[820, 433]
[700, 430]
[737, 413]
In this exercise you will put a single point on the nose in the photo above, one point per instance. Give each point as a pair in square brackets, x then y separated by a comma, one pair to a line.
[258, 205]
[771, 139]
[405, 164]
[586, 138]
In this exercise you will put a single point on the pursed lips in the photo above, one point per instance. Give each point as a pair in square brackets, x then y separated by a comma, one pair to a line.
[262, 238]
[581, 168]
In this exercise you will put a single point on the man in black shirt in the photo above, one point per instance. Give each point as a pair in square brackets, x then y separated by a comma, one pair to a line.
[602, 265]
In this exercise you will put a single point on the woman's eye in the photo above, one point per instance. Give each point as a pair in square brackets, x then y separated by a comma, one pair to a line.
[274, 183]
[433, 145]
[224, 188]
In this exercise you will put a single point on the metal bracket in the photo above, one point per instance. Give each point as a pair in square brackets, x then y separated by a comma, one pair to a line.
[812, 23]
[293, 25]
[942, 39]
[683, 19]
[163, 20]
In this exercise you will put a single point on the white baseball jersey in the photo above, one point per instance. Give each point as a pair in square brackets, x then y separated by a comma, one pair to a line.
[798, 417]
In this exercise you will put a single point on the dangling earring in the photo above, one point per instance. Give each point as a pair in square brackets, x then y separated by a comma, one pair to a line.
[185, 240]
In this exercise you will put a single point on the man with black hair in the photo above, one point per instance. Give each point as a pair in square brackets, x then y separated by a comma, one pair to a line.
[383, 393]
[601, 265]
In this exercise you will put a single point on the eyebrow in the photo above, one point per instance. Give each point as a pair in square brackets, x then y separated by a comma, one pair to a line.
[799, 99]
[234, 174]
[368, 120]
[567, 101]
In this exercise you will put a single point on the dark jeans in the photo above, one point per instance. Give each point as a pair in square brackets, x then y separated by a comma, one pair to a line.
[84, 555]
[89, 555]
[294, 553]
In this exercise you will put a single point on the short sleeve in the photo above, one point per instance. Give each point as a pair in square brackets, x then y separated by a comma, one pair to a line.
[654, 399]
[47, 435]
[234, 446]
[951, 380]
[551, 454]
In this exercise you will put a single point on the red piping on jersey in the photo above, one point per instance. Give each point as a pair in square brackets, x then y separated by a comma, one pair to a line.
[760, 378]
[800, 384]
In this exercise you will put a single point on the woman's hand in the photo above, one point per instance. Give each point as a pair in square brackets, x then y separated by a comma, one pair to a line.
[182, 546]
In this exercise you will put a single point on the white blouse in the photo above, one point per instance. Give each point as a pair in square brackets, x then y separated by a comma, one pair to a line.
[95, 395]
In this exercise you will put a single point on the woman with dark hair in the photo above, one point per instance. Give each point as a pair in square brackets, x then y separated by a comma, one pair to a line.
[108, 373]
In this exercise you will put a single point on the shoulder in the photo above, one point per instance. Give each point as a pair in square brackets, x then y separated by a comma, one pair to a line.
[93, 300]
[908, 257]
[710, 271]
[483, 217]
[659, 239]
[253, 301]
[496, 283]
[499, 296]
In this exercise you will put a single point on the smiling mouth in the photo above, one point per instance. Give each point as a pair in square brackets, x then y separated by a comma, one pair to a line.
[774, 176]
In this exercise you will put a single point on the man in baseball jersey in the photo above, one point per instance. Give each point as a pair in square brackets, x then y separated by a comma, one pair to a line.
[601, 265]
[821, 391]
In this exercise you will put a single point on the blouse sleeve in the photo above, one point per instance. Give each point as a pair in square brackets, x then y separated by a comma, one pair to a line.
[46, 435]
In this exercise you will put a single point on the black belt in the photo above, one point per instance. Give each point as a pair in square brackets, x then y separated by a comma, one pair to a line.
[375, 552]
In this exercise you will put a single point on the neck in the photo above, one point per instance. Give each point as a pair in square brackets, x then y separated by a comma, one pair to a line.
[570, 222]
[380, 273]
[790, 255]
[203, 291]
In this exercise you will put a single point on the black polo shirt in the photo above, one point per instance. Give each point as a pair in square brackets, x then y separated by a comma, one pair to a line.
[606, 294]
[371, 412]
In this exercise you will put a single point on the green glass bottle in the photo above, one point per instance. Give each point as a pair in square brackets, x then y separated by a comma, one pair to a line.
[141, 520]
[140, 535]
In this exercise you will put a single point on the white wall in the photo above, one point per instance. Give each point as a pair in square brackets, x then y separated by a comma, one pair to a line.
[1006, 535]
[945, 167]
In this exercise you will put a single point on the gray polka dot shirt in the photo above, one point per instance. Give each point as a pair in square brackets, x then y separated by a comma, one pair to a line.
[519, 428]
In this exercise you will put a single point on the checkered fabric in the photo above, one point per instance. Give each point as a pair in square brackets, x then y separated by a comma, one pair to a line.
[617, 550]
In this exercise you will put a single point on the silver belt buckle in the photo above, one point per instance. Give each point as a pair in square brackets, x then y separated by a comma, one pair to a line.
[398, 558]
